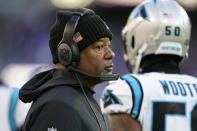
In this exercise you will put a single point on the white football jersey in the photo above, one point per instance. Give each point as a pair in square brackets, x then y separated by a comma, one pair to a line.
[160, 102]
[12, 110]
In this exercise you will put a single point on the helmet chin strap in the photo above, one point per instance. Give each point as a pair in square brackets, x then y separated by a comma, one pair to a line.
[139, 57]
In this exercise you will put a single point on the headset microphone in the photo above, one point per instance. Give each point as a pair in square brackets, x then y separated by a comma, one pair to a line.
[101, 78]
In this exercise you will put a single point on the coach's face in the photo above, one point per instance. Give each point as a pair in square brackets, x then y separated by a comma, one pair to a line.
[96, 59]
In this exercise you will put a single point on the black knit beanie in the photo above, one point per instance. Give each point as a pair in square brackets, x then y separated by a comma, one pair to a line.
[90, 28]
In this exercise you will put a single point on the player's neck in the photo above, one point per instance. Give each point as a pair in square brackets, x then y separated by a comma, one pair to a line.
[166, 66]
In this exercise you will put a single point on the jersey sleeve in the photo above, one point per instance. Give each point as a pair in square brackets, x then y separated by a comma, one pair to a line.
[116, 98]
[21, 112]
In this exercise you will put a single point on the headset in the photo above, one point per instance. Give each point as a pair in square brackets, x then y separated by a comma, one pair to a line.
[67, 49]
[68, 52]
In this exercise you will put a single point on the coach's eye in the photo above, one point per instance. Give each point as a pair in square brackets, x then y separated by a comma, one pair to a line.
[99, 47]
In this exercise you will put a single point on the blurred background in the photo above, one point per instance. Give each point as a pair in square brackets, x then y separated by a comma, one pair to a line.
[25, 25]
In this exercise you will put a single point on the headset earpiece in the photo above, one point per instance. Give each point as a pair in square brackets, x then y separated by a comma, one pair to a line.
[67, 49]
[64, 54]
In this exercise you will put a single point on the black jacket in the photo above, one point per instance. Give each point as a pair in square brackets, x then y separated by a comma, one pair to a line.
[59, 103]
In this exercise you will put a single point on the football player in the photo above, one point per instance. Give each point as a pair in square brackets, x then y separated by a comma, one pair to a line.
[155, 96]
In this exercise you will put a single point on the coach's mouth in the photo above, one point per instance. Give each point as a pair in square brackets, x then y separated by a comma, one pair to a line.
[109, 68]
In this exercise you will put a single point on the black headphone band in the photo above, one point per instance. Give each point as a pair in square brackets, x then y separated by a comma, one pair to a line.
[70, 29]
